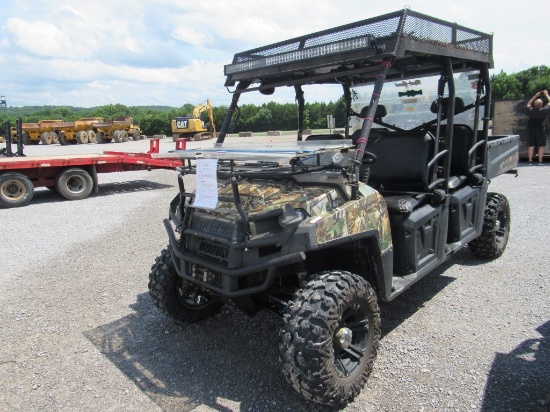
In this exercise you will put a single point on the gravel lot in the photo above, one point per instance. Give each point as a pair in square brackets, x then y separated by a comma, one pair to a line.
[79, 332]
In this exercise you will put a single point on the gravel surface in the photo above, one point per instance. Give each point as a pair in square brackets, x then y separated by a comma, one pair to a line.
[79, 332]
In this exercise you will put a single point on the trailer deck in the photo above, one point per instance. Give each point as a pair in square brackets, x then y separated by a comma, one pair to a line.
[73, 176]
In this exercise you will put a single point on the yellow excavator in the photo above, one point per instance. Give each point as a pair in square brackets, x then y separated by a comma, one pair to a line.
[192, 127]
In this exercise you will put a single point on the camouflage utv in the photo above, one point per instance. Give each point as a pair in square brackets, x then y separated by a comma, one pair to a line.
[322, 228]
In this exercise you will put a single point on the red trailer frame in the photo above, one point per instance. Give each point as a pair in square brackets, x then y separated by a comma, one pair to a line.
[73, 176]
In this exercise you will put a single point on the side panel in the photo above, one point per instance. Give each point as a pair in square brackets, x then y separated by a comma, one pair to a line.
[503, 155]
[466, 214]
[417, 239]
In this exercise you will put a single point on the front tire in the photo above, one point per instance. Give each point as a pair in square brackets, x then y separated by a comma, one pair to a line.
[174, 296]
[330, 337]
[16, 189]
[496, 228]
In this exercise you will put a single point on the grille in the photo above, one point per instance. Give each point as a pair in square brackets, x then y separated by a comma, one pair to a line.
[214, 249]
[206, 275]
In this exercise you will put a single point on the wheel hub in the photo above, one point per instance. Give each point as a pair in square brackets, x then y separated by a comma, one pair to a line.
[344, 337]
[13, 190]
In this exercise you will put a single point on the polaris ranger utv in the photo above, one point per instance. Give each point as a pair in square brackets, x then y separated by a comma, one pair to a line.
[320, 229]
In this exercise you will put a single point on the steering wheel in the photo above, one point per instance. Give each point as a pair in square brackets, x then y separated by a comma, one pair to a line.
[369, 158]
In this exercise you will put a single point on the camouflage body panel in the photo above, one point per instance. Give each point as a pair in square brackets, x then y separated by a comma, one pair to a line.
[332, 216]
[367, 213]
[263, 196]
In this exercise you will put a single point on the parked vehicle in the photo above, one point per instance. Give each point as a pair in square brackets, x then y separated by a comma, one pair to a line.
[72, 176]
[322, 229]
[192, 127]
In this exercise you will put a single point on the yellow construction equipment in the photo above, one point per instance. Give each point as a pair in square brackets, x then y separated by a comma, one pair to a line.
[84, 130]
[44, 131]
[192, 127]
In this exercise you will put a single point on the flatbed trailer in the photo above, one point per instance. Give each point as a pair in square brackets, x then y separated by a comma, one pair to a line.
[73, 176]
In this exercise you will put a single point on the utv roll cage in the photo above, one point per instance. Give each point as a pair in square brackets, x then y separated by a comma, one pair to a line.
[394, 46]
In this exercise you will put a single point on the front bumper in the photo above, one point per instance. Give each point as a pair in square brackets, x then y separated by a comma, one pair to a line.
[229, 277]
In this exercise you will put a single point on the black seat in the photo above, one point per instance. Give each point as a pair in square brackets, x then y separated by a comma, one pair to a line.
[463, 137]
[403, 161]
[380, 112]
[375, 133]
[459, 106]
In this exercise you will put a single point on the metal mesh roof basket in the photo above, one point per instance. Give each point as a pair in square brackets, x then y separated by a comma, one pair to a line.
[399, 34]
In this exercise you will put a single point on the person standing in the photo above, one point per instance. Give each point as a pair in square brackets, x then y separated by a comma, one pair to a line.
[537, 113]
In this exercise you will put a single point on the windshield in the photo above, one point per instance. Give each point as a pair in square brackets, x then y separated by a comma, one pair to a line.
[408, 102]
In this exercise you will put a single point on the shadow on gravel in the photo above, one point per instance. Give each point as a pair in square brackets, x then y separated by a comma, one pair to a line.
[404, 306]
[105, 189]
[228, 362]
[520, 380]
[230, 356]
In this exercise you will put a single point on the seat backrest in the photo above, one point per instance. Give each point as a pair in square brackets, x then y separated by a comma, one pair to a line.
[463, 137]
[402, 160]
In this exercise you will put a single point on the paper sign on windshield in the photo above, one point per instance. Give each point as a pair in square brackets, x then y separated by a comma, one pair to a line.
[206, 184]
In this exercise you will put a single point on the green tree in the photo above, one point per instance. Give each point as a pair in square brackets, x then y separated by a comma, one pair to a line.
[521, 84]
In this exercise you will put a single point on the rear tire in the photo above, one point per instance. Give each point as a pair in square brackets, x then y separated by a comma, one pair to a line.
[26, 139]
[117, 136]
[176, 297]
[92, 138]
[330, 337]
[496, 228]
[82, 137]
[46, 138]
[16, 189]
[55, 138]
[63, 140]
[74, 183]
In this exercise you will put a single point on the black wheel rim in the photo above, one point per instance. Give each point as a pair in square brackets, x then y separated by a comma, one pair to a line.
[350, 339]
[76, 184]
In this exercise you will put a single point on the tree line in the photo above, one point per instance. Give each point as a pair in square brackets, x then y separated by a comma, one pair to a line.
[257, 118]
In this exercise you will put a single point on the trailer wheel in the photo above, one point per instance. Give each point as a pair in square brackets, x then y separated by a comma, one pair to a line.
[46, 138]
[116, 136]
[62, 139]
[330, 337]
[92, 138]
[82, 137]
[496, 228]
[175, 297]
[74, 183]
[16, 189]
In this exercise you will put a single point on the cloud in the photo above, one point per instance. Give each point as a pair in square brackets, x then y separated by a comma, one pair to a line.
[37, 37]
[171, 52]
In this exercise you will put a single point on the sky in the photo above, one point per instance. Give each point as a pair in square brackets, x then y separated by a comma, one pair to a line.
[91, 53]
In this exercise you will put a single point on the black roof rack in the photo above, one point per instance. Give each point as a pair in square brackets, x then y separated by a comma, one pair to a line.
[411, 39]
